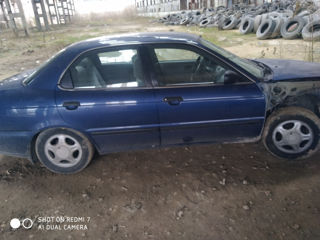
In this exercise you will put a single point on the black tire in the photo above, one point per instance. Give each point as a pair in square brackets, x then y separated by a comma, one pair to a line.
[276, 32]
[304, 13]
[246, 25]
[204, 22]
[288, 118]
[274, 15]
[311, 32]
[62, 140]
[264, 17]
[266, 29]
[230, 23]
[221, 21]
[292, 28]
[257, 22]
[184, 21]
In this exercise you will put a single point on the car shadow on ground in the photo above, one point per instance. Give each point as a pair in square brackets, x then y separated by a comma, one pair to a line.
[236, 163]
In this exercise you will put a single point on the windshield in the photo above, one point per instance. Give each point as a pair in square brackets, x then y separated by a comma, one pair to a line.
[42, 66]
[247, 65]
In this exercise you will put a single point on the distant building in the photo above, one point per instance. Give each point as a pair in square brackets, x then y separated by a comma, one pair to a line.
[154, 6]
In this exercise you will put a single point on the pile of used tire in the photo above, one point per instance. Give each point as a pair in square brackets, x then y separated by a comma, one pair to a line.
[287, 19]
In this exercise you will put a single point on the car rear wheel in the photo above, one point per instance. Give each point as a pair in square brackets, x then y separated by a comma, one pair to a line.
[292, 133]
[63, 150]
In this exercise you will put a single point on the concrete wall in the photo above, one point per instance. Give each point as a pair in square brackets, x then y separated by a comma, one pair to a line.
[154, 6]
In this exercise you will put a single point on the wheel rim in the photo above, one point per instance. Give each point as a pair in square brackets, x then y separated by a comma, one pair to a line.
[63, 150]
[292, 136]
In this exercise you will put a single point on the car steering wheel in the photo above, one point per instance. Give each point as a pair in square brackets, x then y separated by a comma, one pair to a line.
[197, 68]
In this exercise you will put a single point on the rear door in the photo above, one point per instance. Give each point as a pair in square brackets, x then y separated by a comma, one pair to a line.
[203, 105]
[106, 94]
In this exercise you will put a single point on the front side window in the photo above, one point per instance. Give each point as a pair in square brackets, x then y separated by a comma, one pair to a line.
[175, 54]
[184, 65]
[107, 70]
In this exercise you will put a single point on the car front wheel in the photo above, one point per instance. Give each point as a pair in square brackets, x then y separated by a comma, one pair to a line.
[292, 133]
[63, 150]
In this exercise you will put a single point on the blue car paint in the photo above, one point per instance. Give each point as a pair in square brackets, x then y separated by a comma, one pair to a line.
[118, 119]
[211, 113]
[128, 119]
[284, 70]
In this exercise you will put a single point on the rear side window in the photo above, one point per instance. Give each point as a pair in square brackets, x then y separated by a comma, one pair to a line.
[122, 56]
[106, 70]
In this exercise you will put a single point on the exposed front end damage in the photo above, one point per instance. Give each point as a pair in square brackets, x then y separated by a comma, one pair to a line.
[291, 83]
[304, 93]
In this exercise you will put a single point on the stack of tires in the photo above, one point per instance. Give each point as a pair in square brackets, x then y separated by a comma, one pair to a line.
[285, 25]
[267, 25]
[311, 31]
[267, 21]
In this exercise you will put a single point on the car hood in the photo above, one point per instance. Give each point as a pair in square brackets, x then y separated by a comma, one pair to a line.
[292, 69]
[15, 81]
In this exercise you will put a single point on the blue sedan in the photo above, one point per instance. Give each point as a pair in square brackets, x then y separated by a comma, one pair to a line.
[147, 90]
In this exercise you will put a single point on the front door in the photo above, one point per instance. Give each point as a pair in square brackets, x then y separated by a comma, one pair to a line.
[197, 101]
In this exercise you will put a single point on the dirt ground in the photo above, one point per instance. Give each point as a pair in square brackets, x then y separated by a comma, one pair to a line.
[235, 191]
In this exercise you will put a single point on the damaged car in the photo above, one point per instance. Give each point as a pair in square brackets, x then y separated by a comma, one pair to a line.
[146, 90]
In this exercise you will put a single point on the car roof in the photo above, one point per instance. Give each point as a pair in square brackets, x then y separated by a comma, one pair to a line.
[135, 38]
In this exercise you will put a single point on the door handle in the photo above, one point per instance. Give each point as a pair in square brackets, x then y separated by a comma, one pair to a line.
[71, 105]
[173, 100]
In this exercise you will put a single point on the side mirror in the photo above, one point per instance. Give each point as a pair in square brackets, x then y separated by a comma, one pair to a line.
[231, 77]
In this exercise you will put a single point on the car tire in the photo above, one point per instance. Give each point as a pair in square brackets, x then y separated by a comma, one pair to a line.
[204, 22]
[292, 133]
[276, 32]
[246, 25]
[230, 23]
[292, 28]
[184, 21]
[257, 22]
[63, 150]
[311, 32]
[266, 29]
